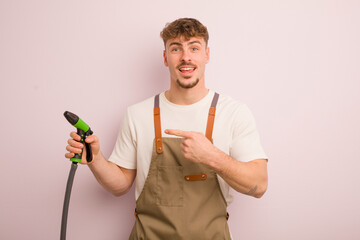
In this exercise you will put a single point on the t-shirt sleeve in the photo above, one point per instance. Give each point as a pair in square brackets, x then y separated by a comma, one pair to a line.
[245, 145]
[124, 152]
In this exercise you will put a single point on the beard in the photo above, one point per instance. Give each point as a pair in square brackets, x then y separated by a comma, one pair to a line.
[190, 85]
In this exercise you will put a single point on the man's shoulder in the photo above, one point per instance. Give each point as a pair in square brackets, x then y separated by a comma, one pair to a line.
[142, 108]
[144, 103]
[230, 109]
[230, 103]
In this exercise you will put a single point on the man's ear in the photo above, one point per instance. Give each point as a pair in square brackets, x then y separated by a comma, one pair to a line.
[165, 58]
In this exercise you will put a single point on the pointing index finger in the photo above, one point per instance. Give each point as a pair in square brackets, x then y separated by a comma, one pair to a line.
[177, 132]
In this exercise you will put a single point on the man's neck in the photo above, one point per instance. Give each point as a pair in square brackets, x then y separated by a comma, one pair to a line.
[186, 96]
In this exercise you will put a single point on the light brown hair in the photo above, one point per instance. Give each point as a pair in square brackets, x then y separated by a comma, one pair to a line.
[186, 28]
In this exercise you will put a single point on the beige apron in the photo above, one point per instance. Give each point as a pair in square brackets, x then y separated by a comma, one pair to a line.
[180, 199]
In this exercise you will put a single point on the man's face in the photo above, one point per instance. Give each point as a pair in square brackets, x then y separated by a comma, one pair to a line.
[186, 60]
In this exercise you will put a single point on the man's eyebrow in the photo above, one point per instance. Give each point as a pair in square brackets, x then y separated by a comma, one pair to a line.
[175, 43]
[196, 41]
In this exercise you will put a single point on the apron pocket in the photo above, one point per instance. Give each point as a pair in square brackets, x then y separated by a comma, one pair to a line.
[169, 186]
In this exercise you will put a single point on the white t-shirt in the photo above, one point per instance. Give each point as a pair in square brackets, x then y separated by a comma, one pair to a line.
[234, 133]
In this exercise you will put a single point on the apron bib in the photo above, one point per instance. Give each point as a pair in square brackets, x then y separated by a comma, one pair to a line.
[180, 199]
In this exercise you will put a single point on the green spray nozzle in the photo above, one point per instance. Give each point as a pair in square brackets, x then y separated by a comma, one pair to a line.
[76, 121]
[83, 130]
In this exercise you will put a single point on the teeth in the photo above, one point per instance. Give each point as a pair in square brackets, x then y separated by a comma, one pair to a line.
[186, 69]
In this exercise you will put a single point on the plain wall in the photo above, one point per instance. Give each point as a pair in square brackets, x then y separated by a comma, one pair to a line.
[294, 63]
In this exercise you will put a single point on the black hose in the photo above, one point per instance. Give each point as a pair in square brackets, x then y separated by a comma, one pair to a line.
[67, 200]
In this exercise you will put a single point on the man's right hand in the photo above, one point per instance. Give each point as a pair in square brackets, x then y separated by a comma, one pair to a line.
[112, 177]
[74, 146]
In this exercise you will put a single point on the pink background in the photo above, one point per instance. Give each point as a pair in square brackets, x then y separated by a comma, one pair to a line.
[295, 63]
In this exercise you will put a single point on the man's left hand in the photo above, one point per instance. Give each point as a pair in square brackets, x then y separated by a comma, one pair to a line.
[194, 145]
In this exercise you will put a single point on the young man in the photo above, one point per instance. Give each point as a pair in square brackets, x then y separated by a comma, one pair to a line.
[187, 158]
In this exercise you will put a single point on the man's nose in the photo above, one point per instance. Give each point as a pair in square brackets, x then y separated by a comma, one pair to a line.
[186, 56]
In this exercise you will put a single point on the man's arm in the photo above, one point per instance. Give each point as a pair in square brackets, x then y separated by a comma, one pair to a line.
[246, 177]
[113, 178]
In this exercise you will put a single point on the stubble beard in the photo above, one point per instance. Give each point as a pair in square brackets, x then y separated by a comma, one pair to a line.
[187, 86]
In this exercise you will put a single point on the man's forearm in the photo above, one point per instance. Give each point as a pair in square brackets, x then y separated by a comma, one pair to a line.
[246, 177]
[116, 180]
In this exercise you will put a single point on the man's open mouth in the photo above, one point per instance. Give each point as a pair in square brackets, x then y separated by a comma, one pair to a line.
[187, 69]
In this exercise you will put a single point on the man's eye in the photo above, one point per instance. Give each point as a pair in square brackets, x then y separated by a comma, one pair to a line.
[175, 50]
[195, 49]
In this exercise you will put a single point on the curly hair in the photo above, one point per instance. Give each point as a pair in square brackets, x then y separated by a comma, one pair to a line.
[184, 27]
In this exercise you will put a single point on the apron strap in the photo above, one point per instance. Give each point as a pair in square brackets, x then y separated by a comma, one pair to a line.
[211, 117]
[157, 123]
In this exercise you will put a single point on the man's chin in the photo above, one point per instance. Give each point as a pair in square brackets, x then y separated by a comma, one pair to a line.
[187, 85]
